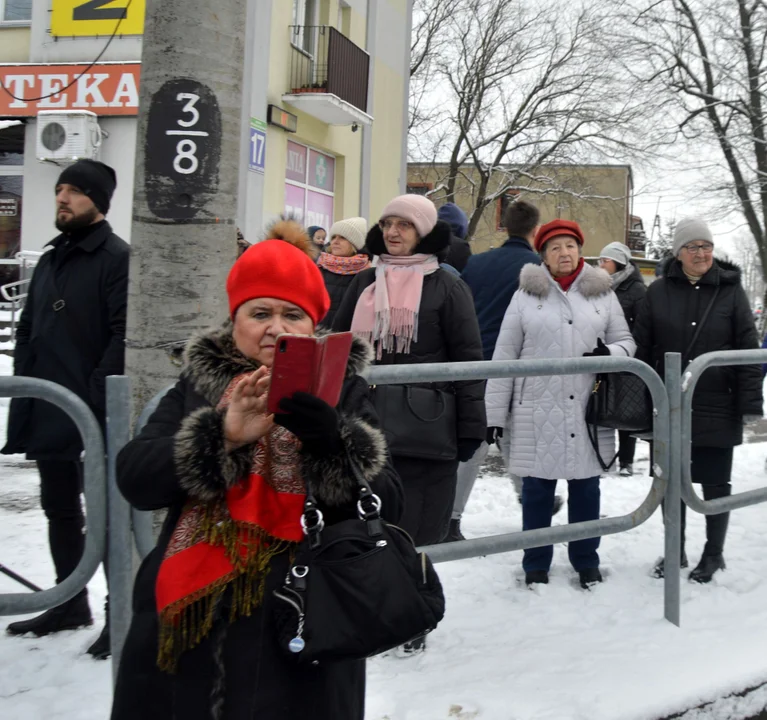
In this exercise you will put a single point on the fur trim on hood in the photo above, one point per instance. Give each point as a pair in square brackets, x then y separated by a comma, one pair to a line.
[536, 280]
[291, 231]
[212, 361]
[432, 244]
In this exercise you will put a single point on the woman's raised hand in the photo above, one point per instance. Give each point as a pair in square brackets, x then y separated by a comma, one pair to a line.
[247, 420]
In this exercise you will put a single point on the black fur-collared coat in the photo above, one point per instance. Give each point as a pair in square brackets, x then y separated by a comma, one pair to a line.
[180, 454]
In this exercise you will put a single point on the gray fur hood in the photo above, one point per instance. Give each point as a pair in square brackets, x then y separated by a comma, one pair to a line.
[536, 280]
[212, 361]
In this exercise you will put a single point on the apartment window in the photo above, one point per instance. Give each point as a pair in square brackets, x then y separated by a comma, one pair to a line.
[16, 11]
[502, 204]
[419, 188]
[304, 17]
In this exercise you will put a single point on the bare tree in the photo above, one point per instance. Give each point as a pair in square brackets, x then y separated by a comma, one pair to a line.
[522, 86]
[752, 276]
[708, 59]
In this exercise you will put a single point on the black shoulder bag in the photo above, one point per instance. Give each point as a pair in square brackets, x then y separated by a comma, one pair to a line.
[621, 401]
[356, 588]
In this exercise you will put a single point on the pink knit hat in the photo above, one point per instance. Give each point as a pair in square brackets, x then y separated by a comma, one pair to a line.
[417, 209]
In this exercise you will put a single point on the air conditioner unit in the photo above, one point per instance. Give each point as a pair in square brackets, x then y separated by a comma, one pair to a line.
[67, 135]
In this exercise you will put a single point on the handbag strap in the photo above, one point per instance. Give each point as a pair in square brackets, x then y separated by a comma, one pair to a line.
[368, 507]
[702, 322]
[593, 431]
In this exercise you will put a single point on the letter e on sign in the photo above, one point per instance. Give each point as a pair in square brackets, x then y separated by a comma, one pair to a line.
[183, 149]
[89, 18]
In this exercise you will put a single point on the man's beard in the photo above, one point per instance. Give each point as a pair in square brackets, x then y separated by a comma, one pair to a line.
[76, 222]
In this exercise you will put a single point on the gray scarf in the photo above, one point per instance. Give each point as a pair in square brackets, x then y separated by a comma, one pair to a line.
[617, 278]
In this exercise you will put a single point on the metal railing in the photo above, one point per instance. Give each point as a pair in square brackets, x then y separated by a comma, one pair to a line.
[15, 292]
[324, 60]
[94, 487]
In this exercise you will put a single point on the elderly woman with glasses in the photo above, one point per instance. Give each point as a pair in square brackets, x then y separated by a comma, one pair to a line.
[413, 311]
[698, 306]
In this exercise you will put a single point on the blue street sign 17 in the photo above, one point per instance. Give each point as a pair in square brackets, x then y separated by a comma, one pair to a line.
[257, 155]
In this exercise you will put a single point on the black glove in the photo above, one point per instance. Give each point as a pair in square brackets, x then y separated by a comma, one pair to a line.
[600, 349]
[494, 434]
[466, 448]
[312, 421]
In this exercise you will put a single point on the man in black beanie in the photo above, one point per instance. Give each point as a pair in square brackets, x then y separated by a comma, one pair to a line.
[71, 332]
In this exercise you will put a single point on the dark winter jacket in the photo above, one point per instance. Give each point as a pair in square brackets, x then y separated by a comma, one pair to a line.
[631, 294]
[256, 680]
[667, 322]
[447, 328]
[76, 346]
[493, 278]
[458, 253]
[336, 285]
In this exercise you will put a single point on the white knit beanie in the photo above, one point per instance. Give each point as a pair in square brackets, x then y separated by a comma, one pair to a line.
[353, 229]
[618, 252]
[689, 230]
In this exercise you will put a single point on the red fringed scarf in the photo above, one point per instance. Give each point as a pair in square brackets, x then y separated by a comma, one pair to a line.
[566, 281]
[229, 542]
[344, 265]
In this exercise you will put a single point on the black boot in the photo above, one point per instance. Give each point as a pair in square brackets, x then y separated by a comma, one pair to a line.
[536, 577]
[659, 571]
[454, 533]
[705, 569]
[589, 577]
[71, 615]
[102, 648]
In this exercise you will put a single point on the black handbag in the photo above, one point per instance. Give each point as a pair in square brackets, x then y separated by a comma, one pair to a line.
[356, 588]
[418, 422]
[619, 401]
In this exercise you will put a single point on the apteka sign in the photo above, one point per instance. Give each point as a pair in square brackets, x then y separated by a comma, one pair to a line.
[104, 88]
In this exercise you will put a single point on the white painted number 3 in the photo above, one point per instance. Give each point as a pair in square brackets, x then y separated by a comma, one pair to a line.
[189, 108]
[185, 162]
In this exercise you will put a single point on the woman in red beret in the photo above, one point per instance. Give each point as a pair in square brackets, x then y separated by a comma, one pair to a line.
[233, 479]
[563, 308]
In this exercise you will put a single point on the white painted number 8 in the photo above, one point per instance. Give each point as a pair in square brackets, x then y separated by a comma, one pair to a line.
[186, 150]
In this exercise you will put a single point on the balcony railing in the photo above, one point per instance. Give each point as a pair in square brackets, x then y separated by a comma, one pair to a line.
[325, 61]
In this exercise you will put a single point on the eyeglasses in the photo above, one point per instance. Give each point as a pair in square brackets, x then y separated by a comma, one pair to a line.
[705, 248]
[400, 225]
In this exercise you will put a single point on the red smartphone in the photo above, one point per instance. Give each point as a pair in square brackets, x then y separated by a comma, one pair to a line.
[314, 365]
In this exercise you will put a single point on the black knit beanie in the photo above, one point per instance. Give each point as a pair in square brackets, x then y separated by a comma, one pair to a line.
[96, 179]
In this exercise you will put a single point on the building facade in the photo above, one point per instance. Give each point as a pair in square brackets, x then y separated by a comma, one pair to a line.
[324, 102]
[598, 197]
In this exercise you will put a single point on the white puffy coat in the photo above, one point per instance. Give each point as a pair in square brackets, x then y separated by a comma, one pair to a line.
[549, 438]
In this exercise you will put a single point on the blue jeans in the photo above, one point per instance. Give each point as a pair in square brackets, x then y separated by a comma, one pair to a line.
[582, 505]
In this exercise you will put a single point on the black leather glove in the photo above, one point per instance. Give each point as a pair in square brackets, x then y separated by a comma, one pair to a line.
[466, 448]
[494, 434]
[600, 349]
[312, 421]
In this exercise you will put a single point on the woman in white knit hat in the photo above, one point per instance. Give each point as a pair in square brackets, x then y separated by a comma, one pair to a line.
[343, 260]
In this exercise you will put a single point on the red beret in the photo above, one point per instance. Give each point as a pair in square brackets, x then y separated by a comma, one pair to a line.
[558, 227]
[281, 268]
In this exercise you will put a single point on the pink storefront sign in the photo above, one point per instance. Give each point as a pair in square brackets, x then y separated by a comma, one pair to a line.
[295, 168]
[319, 209]
[295, 200]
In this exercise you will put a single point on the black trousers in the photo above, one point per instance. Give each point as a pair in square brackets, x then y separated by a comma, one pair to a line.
[429, 494]
[61, 484]
[626, 447]
[712, 469]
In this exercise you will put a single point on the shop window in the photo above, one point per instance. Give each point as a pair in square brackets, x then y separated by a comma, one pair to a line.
[16, 11]
[11, 192]
[310, 185]
[419, 188]
[502, 204]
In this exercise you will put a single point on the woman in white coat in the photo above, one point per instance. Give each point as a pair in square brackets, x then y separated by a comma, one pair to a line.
[563, 308]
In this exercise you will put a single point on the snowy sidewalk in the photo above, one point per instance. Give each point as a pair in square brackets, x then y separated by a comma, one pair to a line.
[503, 652]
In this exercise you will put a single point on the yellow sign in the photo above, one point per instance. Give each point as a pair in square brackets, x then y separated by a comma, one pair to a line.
[88, 18]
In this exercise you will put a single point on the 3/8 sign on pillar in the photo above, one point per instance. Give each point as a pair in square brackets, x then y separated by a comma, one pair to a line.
[183, 150]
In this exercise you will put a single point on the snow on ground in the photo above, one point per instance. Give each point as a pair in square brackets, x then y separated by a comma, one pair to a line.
[503, 652]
